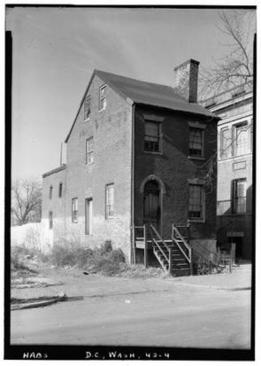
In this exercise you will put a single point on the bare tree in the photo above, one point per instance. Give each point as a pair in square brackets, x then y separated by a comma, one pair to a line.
[236, 67]
[26, 201]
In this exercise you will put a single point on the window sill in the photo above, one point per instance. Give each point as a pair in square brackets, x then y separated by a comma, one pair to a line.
[153, 152]
[196, 157]
[199, 221]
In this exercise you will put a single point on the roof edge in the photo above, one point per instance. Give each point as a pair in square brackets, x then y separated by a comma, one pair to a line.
[55, 170]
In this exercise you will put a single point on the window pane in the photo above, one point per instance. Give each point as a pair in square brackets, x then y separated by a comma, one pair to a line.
[151, 129]
[241, 137]
[195, 201]
[225, 142]
[87, 107]
[89, 150]
[195, 141]
[109, 200]
[239, 196]
[152, 136]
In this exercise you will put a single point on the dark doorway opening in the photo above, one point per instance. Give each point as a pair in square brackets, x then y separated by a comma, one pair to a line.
[152, 204]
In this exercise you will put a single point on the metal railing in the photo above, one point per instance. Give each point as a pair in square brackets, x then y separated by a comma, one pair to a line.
[177, 238]
[158, 246]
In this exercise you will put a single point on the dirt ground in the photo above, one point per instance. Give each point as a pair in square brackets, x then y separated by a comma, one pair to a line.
[210, 311]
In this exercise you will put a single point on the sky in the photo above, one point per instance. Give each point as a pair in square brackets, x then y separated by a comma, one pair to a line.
[55, 51]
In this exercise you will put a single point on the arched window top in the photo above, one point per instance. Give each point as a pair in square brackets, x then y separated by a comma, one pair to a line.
[150, 180]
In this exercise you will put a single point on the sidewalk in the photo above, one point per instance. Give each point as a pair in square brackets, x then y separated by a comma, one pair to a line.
[77, 285]
[239, 279]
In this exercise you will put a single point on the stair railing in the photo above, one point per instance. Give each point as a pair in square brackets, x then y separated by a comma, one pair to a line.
[155, 232]
[175, 234]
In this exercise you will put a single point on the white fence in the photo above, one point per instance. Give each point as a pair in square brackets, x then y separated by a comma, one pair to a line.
[31, 235]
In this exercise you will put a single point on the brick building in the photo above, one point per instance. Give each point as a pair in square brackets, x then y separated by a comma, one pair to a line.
[235, 163]
[137, 153]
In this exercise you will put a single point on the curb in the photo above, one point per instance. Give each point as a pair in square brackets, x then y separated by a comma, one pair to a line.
[38, 304]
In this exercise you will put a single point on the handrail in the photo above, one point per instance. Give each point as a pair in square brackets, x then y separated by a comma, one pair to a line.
[162, 252]
[160, 239]
[183, 241]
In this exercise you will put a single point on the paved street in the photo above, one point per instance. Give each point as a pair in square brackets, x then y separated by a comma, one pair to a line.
[175, 313]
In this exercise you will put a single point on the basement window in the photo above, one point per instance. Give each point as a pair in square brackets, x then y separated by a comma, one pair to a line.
[102, 97]
[152, 136]
[75, 210]
[196, 202]
[109, 200]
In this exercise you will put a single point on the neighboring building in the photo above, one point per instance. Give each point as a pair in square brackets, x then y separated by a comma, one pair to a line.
[235, 163]
[134, 156]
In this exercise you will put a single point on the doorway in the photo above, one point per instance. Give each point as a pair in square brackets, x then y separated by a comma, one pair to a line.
[88, 216]
[152, 204]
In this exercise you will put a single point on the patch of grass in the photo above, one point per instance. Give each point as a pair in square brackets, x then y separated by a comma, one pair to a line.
[19, 259]
[104, 260]
[139, 271]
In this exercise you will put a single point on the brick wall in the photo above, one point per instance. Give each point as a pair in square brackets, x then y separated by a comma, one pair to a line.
[174, 168]
[111, 130]
[55, 204]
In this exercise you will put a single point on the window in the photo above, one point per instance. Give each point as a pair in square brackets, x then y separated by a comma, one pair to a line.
[152, 140]
[89, 150]
[225, 142]
[239, 196]
[196, 142]
[50, 220]
[60, 190]
[241, 139]
[102, 98]
[196, 202]
[75, 210]
[88, 216]
[109, 201]
[51, 192]
[87, 107]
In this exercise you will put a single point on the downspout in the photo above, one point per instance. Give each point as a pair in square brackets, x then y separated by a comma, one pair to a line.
[132, 251]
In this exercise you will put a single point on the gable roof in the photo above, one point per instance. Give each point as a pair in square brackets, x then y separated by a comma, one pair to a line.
[142, 92]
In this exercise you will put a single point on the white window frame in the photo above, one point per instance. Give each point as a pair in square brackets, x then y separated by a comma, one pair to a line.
[87, 111]
[102, 98]
[235, 197]
[222, 153]
[203, 203]
[109, 212]
[245, 124]
[89, 153]
[75, 210]
[159, 136]
[200, 129]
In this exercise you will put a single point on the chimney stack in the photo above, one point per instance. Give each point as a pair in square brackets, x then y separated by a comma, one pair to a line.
[186, 80]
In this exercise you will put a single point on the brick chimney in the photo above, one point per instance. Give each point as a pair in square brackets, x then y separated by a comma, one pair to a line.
[186, 80]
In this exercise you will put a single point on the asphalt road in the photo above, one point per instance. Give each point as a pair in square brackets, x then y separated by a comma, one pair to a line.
[183, 317]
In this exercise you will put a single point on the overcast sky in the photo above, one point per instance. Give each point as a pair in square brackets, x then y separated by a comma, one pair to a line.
[55, 51]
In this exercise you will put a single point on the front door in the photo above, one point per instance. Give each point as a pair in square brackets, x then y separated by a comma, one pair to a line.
[151, 204]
